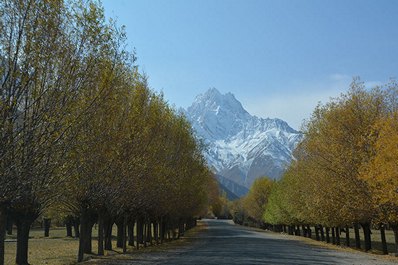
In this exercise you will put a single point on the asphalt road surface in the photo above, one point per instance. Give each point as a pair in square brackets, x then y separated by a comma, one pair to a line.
[222, 242]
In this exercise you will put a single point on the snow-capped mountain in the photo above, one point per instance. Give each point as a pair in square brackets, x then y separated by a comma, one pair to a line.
[241, 147]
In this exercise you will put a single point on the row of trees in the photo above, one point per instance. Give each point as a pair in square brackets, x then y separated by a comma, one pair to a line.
[344, 174]
[81, 132]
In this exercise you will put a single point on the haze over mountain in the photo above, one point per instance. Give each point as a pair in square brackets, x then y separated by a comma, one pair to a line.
[241, 147]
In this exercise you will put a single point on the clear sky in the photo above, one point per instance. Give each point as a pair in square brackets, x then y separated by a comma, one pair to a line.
[279, 58]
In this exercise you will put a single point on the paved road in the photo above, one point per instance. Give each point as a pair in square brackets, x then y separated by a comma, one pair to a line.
[225, 243]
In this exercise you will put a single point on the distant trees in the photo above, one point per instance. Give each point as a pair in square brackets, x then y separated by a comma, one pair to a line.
[249, 209]
[79, 127]
[257, 199]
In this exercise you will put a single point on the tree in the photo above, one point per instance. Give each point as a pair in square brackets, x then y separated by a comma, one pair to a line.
[256, 200]
[51, 56]
[338, 141]
[381, 172]
[288, 200]
[80, 127]
[323, 186]
[39, 85]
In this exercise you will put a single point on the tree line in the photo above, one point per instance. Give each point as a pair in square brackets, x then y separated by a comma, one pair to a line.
[344, 175]
[82, 133]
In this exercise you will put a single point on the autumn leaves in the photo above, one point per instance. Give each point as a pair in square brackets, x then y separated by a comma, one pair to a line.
[345, 171]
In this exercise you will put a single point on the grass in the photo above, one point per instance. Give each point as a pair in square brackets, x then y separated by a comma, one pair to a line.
[56, 249]
[60, 250]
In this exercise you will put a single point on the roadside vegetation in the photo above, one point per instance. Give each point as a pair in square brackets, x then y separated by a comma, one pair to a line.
[84, 139]
[344, 177]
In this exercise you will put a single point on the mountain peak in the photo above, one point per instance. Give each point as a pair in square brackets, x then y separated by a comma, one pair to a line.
[216, 115]
[213, 100]
[241, 147]
[212, 92]
[215, 95]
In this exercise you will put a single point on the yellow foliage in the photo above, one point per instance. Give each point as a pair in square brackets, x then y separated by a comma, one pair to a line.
[381, 173]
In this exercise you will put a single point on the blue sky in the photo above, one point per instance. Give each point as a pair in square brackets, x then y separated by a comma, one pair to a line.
[279, 58]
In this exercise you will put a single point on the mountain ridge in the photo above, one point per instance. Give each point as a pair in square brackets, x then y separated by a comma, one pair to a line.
[241, 147]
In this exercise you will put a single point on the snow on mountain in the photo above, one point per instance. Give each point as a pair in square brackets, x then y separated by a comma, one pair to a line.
[241, 147]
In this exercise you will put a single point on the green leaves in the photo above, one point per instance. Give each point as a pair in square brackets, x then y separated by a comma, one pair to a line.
[257, 199]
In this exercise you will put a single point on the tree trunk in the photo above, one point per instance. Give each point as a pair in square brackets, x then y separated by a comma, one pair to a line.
[137, 237]
[338, 236]
[68, 225]
[76, 226]
[305, 231]
[290, 230]
[120, 232]
[124, 244]
[86, 225]
[309, 232]
[174, 233]
[394, 228]
[367, 235]
[317, 233]
[9, 225]
[322, 233]
[298, 233]
[100, 235]
[181, 231]
[3, 221]
[156, 231]
[327, 235]
[357, 236]
[383, 239]
[347, 235]
[131, 233]
[161, 228]
[144, 234]
[149, 234]
[82, 237]
[108, 224]
[47, 224]
[333, 236]
[23, 222]
[189, 223]
[88, 249]
[140, 232]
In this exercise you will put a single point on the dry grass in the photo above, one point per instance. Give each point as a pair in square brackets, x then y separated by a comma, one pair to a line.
[56, 249]
[60, 250]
